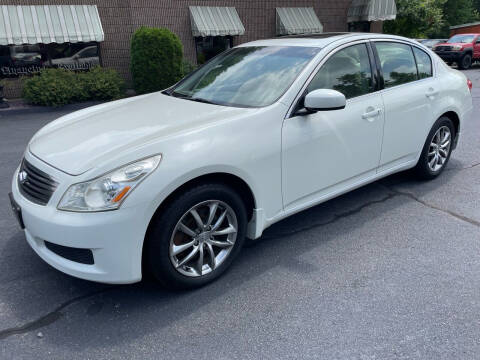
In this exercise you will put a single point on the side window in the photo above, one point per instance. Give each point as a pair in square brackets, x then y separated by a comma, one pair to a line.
[347, 71]
[424, 63]
[397, 62]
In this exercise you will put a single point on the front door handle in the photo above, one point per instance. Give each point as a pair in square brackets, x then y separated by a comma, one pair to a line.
[371, 115]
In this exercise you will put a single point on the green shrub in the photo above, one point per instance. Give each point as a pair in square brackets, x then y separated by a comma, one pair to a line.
[57, 87]
[52, 87]
[156, 59]
[103, 84]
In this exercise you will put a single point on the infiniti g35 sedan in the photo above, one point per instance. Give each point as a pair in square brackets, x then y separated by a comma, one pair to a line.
[175, 182]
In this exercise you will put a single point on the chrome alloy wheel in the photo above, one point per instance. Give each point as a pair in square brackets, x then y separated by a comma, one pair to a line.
[439, 148]
[203, 238]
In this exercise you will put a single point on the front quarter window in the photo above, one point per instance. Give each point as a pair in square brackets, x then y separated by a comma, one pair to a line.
[246, 76]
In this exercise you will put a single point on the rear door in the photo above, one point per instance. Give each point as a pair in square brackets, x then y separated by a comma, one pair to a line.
[408, 97]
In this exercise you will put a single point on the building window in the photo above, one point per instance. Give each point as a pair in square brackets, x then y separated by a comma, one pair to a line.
[359, 26]
[210, 46]
[20, 60]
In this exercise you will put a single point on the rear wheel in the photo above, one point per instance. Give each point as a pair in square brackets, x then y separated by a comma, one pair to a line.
[437, 149]
[196, 237]
[465, 62]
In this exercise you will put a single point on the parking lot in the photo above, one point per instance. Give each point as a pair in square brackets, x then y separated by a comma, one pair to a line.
[390, 271]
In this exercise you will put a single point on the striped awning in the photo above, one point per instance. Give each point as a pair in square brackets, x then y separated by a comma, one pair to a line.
[372, 10]
[298, 20]
[215, 21]
[45, 24]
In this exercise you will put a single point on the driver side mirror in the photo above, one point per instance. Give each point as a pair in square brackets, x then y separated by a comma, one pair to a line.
[324, 100]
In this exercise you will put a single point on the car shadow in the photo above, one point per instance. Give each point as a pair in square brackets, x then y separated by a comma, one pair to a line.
[103, 314]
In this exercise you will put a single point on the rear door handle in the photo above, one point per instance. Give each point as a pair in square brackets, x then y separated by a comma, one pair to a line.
[371, 115]
[431, 92]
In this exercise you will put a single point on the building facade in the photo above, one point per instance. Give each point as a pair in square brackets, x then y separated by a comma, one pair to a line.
[37, 33]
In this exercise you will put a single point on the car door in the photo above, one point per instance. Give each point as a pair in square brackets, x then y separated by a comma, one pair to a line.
[408, 103]
[327, 152]
[476, 48]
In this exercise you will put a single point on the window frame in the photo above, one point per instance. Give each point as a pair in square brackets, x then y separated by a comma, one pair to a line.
[379, 66]
[297, 104]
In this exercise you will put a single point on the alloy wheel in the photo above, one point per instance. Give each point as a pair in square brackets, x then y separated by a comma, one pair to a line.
[203, 238]
[439, 149]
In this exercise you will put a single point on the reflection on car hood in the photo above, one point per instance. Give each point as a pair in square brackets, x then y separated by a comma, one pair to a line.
[79, 141]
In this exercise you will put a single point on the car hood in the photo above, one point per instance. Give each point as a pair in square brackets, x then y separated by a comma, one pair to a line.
[452, 44]
[84, 139]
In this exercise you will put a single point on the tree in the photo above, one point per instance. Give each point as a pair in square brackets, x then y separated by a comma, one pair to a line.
[156, 59]
[476, 4]
[417, 18]
[431, 18]
[456, 12]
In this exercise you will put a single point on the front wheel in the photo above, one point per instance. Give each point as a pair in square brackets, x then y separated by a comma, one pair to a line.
[437, 149]
[196, 237]
[465, 62]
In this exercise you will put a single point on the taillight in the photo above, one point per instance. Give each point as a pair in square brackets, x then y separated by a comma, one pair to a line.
[469, 84]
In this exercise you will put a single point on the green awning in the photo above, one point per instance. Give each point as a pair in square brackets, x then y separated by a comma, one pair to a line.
[215, 21]
[47, 24]
[372, 10]
[298, 20]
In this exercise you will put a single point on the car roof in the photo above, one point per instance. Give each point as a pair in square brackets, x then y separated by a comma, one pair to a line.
[320, 40]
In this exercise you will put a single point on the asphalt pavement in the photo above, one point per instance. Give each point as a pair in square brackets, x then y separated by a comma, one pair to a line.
[389, 271]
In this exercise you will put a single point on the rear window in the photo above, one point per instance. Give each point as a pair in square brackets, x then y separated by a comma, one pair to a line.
[398, 63]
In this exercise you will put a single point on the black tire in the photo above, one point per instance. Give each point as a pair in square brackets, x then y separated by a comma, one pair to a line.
[465, 62]
[422, 169]
[449, 63]
[157, 242]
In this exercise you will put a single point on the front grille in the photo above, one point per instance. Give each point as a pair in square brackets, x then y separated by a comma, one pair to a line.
[443, 48]
[34, 184]
[82, 256]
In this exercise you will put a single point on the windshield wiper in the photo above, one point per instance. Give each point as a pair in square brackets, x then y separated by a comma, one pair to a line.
[189, 97]
[205, 101]
[180, 95]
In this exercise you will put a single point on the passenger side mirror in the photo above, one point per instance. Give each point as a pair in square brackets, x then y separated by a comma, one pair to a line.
[324, 100]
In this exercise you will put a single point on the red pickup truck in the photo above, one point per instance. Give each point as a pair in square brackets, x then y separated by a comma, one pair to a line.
[463, 49]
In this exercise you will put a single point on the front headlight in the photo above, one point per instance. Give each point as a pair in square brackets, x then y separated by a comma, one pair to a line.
[108, 191]
[456, 47]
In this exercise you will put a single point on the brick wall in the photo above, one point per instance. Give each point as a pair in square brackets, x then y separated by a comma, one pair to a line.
[258, 17]
[120, 18]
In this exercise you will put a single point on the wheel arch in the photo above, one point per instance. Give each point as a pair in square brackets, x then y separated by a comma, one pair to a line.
[234, 181]
[452, 115]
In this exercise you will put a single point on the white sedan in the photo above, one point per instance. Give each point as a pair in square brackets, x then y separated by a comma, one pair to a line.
[175, 182]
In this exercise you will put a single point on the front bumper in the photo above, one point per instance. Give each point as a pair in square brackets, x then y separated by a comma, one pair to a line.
[115, 238]
[450, 56]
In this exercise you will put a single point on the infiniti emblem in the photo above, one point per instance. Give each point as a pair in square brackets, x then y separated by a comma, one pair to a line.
[22, 176]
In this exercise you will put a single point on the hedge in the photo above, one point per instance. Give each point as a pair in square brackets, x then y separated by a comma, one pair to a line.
[57, 87]
[157, 59]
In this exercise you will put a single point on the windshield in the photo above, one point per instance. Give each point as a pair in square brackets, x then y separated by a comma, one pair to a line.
[431, 42]
[465, 39]
[246, 76]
